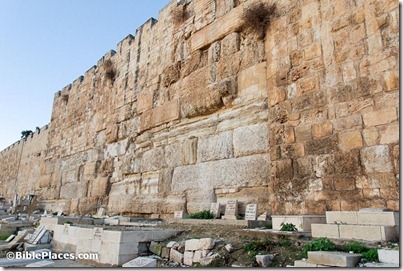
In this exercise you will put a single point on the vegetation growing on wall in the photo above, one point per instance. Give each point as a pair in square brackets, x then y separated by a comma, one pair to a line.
[110, 72]
[256, 19]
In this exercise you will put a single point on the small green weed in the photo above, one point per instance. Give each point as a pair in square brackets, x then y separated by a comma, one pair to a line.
[202, 215]
[320, 244]
[371, 255]
[355, 246]
[256, 246]
[288, 227]
[285, 242]
[268, 225]
[4, 237]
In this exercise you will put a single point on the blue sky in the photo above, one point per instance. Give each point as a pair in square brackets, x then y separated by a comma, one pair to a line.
[47, 44]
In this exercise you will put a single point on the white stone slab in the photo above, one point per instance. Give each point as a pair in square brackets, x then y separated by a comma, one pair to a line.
[342, 217]
[334, 258]
[251, 212]
[215, 209]
[231, 208]
[175, 256]
[178, 214]
[141, 262]
[388, 256]
[11, 237]
[199, 244]
[262, 217]
[188, 258]
[378, 218]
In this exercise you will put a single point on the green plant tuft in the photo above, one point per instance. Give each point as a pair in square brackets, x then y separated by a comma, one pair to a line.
[4, 237]
[269, 225]
[320, 244]
[371, 255]
[202, 215]
[355, 246]
[256, 246]
[288, 227]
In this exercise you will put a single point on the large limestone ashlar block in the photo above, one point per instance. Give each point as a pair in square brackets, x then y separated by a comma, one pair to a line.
[368, 233]
[160, 115]
[252, 79]
[251, 139]
[252, 170]
[218, 29]
[379, 218]
[325, 230]
[215, 147]
[152, 160]
[349, 217]
[376, 159]
[334, 258]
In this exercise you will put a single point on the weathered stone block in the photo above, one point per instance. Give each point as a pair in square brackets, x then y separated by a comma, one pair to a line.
[322, 129]
[199, 244]
[276, 95]
[152, 160]
[175, 256]
[159, 115]
[378, 218]
[349, 217]
[302, 263]
[303, 133]
[189, 151]
[264, 260]
[250, 139]
[203, 101]
[391, 134]
[251, 169]
[334, 258]
[208, 259]
[230, 44]
[322, 145]
[188, 258]
[325, 230]
[369, 233]
[389, 256]
[156, 248]
[165, 252]
[215, 147]
[307, 84]
[144, 101]
[350, 140]
[380, 117]
[218, 29]
[252, 79]
[376, 159]
[214, 52]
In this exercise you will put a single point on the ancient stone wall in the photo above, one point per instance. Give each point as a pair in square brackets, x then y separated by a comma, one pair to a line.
[195, 109]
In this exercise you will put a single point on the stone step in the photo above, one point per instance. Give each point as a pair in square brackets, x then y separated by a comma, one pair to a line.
[388, 256]
[301, 222]
[360, 232]
[363, 218]
[331, 258]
